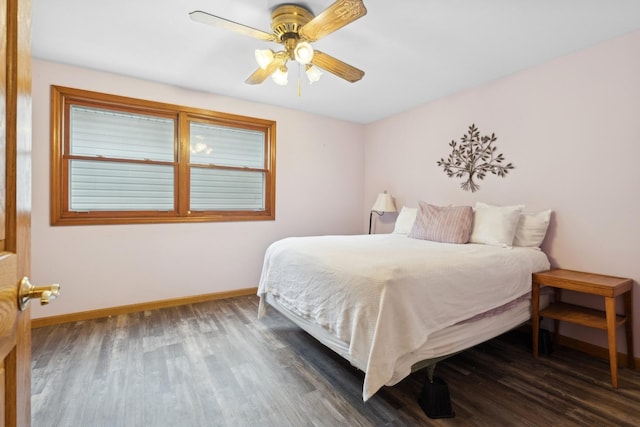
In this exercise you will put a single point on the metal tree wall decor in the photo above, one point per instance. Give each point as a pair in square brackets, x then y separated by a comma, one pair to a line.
[474, 157]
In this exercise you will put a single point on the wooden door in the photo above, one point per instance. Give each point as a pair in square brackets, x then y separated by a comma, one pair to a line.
[15, 210]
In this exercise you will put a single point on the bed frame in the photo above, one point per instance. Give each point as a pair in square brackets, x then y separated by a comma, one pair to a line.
[435, 398]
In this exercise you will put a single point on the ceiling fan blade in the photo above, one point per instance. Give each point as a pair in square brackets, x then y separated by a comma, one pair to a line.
[337, 67]
[216, 21]
[336, 16]
[261, 75]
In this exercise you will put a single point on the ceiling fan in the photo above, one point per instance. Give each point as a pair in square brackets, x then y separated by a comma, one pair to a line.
[295, 27]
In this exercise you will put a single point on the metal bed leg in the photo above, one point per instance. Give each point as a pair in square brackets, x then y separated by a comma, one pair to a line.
[435, 400]
[430, 370]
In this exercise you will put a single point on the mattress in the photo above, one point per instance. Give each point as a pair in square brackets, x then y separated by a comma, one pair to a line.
[445, 342]
[384, 302]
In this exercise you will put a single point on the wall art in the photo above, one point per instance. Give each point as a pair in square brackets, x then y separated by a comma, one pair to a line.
[473, 158]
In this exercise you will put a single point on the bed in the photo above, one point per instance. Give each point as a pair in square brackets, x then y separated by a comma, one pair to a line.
[391, 304]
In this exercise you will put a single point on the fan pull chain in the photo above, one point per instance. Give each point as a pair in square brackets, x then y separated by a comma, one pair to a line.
[299, 90]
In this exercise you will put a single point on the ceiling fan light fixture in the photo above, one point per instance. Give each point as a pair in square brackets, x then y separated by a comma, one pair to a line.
[295, 27]
[313, 73]
[280, 76]
[303, 53]
[264, 57]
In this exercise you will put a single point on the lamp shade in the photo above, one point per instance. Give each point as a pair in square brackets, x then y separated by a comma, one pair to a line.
[313, 73]
[264, 57]
[384, 203]
[280, 76]
[303, 53]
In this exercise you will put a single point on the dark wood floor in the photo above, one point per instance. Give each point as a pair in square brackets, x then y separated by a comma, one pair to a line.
[215, 364]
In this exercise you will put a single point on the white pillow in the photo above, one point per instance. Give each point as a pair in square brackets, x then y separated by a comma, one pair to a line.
[405, 220]
[531, 229]
[495, 225]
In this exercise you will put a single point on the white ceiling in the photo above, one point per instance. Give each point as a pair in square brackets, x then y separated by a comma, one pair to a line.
[412, 51]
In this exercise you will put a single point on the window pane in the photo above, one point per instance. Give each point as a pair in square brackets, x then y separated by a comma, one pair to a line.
[213, 189]
[224, 146]
[96, 132]
[114, 186]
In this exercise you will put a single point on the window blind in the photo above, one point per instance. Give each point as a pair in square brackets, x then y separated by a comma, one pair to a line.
[226, 189]
[97, 185]
[219, 189]
[117, 186]
[104, 133]
[224, 146]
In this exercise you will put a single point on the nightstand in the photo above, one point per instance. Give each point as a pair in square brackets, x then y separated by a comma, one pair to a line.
[594, 284]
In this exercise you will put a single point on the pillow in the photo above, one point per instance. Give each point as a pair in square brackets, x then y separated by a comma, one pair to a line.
[443, 224]
[531, 229]
[495, 225]
[405, 220]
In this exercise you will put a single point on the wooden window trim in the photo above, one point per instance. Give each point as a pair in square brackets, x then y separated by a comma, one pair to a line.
[63, 97]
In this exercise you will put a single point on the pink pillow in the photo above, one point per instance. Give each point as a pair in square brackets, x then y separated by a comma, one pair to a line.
[443, 224]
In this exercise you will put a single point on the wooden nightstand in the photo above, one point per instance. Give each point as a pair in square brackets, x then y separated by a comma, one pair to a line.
[595, 284]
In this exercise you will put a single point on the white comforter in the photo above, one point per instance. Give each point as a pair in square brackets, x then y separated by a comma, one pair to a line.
[385, 294]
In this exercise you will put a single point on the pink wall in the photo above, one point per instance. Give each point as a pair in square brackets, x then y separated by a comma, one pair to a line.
[319, 175]
[571, 127]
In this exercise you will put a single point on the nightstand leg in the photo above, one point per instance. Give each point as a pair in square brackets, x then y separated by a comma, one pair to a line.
[535, 317]
[628, 312]
[556, 322]
[610, 307]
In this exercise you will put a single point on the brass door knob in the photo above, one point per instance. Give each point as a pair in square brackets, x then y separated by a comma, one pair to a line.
[27, 292]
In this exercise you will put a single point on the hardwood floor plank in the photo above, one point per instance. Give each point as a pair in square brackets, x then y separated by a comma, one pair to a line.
[215, 364]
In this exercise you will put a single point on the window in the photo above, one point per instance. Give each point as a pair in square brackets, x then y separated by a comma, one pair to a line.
[117, 160]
